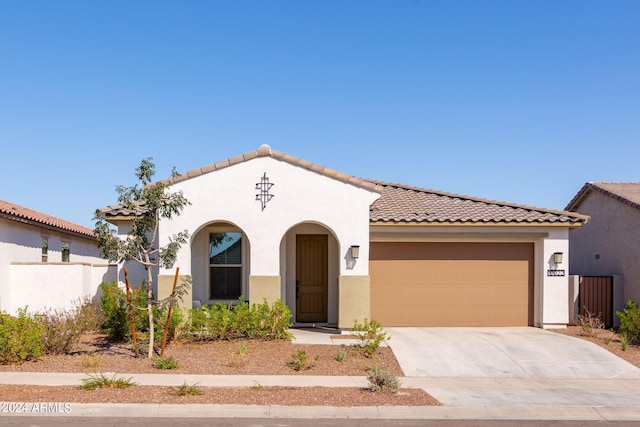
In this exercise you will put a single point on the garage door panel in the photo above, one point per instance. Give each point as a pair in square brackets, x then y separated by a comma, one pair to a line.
[465, 314]
[468, 289]
[461, 293]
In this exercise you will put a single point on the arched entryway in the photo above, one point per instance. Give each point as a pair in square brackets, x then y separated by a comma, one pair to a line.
[310, 270]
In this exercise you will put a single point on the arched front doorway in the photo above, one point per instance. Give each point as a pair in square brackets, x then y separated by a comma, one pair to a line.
[310, 269]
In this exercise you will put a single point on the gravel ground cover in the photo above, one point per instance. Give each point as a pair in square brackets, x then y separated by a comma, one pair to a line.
[97, 354]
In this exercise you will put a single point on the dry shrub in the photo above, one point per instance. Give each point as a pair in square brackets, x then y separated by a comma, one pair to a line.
[236, 361]
[590, 324]
[91, 361]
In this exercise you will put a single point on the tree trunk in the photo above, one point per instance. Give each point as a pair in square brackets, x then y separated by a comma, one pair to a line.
[150, 310]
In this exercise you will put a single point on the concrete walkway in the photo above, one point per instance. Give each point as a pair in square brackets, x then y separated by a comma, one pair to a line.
[464, 398]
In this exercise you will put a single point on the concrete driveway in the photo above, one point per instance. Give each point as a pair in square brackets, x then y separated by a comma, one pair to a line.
[508, 367]
[502, 352]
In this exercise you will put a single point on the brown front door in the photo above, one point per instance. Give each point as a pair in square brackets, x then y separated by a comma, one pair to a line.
[311, 278]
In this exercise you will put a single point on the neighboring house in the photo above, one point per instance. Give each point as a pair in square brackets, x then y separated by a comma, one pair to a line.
[46, 262]
[337, 248]
[610, 244]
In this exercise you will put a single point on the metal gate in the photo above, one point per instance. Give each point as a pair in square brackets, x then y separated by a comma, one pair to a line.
[596, 297]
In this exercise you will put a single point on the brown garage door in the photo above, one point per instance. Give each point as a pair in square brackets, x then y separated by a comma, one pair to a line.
[452, 284]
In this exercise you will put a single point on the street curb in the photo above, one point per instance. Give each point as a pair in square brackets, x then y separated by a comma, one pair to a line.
[120, 410]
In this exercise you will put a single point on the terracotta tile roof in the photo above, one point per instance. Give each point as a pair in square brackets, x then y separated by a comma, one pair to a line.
[112, 211]
[29, 216]
[405, 204]
[625, 192]
[399, 203]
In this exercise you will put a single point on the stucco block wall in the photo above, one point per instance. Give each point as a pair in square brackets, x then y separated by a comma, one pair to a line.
[264, 288]
[55, 285]
[614, 234]
[354, 300]
[22, 243]
[553, 292]
[165, 287]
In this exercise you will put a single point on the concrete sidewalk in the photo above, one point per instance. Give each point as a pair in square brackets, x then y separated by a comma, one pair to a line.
[469, 398]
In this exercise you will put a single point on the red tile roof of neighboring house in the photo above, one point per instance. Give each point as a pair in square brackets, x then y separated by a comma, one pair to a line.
[399, 203]
[29, 216]
[405, 204]
[625, 192]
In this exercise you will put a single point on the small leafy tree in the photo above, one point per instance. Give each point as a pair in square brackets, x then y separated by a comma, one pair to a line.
[149, 203]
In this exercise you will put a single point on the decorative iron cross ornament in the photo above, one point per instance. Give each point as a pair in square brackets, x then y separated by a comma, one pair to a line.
[264, 186]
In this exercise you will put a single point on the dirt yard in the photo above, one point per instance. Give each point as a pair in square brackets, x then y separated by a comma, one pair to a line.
[96, 354]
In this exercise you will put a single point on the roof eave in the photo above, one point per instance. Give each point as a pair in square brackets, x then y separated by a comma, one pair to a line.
[573, 205]
[266, 151]
[46, 226]
[478, 224]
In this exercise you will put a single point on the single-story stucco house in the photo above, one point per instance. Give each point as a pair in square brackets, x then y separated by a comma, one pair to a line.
[610, 244]
[46, 262]
[337, 248]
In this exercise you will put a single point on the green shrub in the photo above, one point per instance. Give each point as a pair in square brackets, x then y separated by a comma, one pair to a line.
[630, 322]
[166, 363]
[114, 309]
[370, 334]
[20, 337]
[116, 316]
[624, 341]
[176, 323]
[232, 321]
[342, 353]
[300, 361]
[380, 380]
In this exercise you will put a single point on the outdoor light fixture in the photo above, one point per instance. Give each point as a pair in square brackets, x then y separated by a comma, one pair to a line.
[355, 251]
[557, 257]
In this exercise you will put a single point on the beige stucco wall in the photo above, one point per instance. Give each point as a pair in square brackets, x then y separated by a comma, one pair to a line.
[264, 287]
[613, 233]
[165, 287]
[354, 300]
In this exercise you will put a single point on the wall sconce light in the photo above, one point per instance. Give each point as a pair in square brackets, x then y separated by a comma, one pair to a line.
[355, 251]
[557, 257]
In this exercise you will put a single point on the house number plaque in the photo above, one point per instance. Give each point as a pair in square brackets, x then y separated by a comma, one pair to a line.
[555, 273]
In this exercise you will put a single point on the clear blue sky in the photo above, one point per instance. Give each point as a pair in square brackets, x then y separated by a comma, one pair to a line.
[523, 101]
